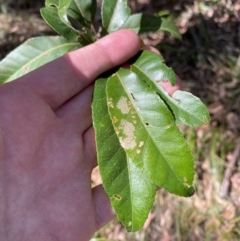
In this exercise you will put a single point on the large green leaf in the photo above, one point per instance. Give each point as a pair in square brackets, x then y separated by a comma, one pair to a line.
[153, 66]
[147, 132]
[32, 54]
[187, 108]
[129, 190]
[114, 14]
[141, 23]
[59, 22]
[169, 27]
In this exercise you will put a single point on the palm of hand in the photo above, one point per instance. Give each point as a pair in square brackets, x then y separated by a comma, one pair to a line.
[47, 161]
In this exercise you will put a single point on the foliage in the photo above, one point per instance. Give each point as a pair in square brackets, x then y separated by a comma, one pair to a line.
[139, 145]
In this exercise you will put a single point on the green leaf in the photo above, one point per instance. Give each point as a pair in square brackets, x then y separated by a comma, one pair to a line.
[83, 10]
[56, 15]
[147, 132]
[142, 23]
[32, 54]
[114, 14]
[169, 27]
[130, 192]
[187, 108]
[59, 22]
[151, 64]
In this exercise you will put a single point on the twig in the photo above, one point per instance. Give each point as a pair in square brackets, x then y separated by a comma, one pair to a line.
[228, 172]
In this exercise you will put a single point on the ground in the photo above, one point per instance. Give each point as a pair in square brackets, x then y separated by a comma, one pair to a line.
[208, 62]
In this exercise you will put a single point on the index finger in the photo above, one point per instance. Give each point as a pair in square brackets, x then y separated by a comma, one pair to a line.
[61, 79]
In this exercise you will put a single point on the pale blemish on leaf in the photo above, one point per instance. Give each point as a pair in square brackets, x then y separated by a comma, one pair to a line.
[25, 68]
[130, 104]
[179, 101]
[138, 151]
[128, 141]
[130, 223]
[114, 119]
[182, 119]
[185, 183]
[168, 126]
[123, 105]
[141, 143]
[110, 103]
[133, 112]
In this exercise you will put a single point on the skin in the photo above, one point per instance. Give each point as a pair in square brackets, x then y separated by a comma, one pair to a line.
[47, 146]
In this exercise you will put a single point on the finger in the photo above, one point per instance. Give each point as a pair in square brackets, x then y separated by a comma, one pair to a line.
[171, 89]
[76, 113]
[103, 210]
[60, 80]
[150, 48]
[90, 148]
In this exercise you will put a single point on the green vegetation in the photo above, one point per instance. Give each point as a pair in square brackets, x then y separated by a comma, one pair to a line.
[207, 61]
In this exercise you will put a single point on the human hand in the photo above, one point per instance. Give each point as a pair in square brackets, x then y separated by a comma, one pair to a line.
[47, 146]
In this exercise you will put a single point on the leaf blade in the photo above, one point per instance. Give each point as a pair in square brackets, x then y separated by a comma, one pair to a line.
[135, 106]
[142, 23]
[130, 193]
[114, 14]
[32, 54]
[187, 108]
[59, 23]
[152, 66]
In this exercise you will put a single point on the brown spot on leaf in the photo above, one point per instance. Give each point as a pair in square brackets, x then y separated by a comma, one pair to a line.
[117, 197]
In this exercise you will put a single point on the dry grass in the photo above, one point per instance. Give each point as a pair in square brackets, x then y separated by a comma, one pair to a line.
[208, 62]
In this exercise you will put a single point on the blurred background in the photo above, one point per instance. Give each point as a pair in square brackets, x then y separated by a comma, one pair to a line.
[208, 62]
